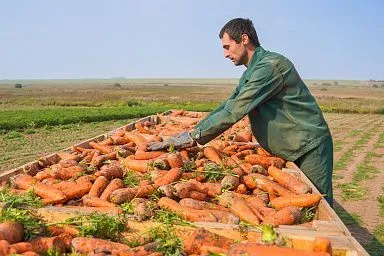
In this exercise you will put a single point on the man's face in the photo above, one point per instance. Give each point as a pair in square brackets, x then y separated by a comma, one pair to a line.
[234, 51]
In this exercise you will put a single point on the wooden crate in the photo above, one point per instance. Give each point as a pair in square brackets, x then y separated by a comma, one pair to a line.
[326, 222]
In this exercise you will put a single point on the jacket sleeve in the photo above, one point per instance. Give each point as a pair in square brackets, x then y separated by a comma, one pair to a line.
[262, 85]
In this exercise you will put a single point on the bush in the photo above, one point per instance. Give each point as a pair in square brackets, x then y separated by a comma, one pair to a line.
[117, 85]
[18, 85]
[375, 86]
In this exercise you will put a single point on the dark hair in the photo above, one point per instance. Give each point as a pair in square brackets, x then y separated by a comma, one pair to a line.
[237, 27]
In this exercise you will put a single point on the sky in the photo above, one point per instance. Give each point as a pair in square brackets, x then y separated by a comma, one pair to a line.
[326, 39]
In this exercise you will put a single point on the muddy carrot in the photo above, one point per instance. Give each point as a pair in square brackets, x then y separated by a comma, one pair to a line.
[262, 152]
[98, 186]
[201, 162]
[50, 195]
[11, 231]
[67, 173]
[100, 159]
[171, 176]
[305, 200]
[322, 244]
[74, 189]
[288, 181]
[287, 216]
[200, 205]
[184, 154]
[239, 207]
[212, 155]
[103, 148]
[246, 167]
[245, 153]
[142, 250]
[90, 245]
[265, 161]
[193, 243]
[93, 201]
[175, 160]
[56, 230]
[230, 150]
[112, 186]
[111, 171]
[122, 195]
[43, 244]
[251, 248]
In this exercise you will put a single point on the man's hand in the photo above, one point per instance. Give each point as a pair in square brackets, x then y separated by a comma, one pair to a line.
[181, 140]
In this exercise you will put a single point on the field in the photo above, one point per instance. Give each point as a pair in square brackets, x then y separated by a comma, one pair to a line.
[46, 116]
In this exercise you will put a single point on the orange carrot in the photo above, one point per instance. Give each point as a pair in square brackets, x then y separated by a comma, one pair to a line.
[139, 140]
[175, 160]
[148, 155]
[44, 174]
[50, 195]
[322, 244]
[142, 250]
[255, 180]
[262, 152]
[246, 167]
[171, 176]
[230, 150]
[245, 153]
[184, 155]
[21, 247]
[196, 195]
[91, 245]
[74, 189]
[238, 206]
[98, 186]
[11, 231]
[241, 189]
[100, 159]
[265, 161]
[5, 248]
[136, 165]
[288, 181]
[259, 206]
[96, 202]
[66, 173]
[112, 186]
[251, 248]
[209, 250]
[305, 200]
[201, 162]
[212, 155]
[103, 148]
[247, 147]
[30, 253]
[43, 244]
[122, 195]
[200, 205]
[193, 244]
[56, 230]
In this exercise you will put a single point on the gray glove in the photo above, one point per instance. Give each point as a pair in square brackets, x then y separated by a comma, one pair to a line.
[181, 140]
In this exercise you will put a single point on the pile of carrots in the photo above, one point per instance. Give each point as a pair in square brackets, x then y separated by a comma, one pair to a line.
[231, 180]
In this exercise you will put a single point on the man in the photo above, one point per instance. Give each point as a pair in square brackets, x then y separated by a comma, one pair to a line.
[284, 116]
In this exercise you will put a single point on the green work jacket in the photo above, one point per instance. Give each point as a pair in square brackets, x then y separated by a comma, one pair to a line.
[285, 118]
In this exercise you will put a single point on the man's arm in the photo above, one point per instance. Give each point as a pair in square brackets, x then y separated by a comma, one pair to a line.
[263, 84]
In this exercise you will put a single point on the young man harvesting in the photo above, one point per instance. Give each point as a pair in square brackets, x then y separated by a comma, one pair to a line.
[284, 116]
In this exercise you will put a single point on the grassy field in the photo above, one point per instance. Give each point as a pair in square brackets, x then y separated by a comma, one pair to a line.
[46, 116]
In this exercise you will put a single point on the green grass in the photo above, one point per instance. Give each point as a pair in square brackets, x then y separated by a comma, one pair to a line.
[349, 218]
[19, 119]
[352, 191]
[376, 247]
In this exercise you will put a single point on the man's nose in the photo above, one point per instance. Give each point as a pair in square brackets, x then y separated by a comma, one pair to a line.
[226, 54]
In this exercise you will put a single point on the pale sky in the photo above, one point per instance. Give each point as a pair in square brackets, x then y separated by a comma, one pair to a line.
[179, 39]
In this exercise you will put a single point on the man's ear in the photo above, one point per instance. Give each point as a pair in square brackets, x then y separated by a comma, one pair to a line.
[245, 39]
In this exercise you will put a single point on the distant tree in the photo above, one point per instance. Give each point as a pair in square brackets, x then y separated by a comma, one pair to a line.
[335, 83]
[117, 85]
[166, 84]
[18, 85]
[375, 86]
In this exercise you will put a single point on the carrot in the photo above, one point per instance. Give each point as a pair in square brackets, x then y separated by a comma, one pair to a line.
[112, 186]
[212, 155]
[201, 162]
[256, 168]
[140, 127]
[322, 244]
[43, 244]
[107, 210]
[241, 189]
[74, 189]
[148, 155]
[56, 230]
[261, 194]
[13, 232]
[98, 186]
[65, 163]
[50, 195]
[111, 171]
[259, 206]
[139, 140]
[21, 247]
[92, 245]
[67, 239]
[251, 248]
[44, 174]
[265, 161]
[196, 195]
[255, 180]
[245, 153]
[171, 176]
[200, 205]
[229, 182]
[230, 150]
[238, 206]
[142, 250]
[100, 159]
[287, 216]
[103, 148]
[305, 200]
[96, 202]
[246, 167]
[184, 155]
[210, 188]
[244, 136]
[136, 165]
[262, 152]
[4, 247]
[30, 253]
[288, 181]
[247, 147]
[66, 173]
[122, 195]
[193, 244]
[175, 160]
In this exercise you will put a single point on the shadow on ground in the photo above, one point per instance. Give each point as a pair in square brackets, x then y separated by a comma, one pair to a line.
[368, 240]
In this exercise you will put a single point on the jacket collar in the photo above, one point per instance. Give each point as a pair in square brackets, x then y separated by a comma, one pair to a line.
[256, 57]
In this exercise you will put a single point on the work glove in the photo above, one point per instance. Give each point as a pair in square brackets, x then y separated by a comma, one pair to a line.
[181, 140]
